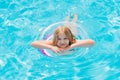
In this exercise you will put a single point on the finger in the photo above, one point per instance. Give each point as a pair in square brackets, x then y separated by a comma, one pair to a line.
[56, 51]
[59, 51]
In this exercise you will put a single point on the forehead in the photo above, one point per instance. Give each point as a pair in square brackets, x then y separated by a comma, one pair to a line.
[62, 35]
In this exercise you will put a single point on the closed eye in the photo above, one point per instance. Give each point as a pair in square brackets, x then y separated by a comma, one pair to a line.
[59, 39]
[65, 38]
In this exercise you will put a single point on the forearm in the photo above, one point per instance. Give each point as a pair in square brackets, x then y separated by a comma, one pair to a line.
[83, 43]
[40, 44]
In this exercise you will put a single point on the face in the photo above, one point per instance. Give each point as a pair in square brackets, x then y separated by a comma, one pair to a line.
[63, 41]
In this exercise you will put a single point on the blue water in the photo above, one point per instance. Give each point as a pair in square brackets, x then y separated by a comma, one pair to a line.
[21, 20]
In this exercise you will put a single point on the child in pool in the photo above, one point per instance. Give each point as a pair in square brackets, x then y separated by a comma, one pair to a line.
[63, 40]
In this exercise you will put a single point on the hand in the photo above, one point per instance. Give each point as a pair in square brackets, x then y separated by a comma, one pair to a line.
[56, 49]
[66, 49]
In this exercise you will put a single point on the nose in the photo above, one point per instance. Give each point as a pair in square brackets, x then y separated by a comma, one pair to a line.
[62, 41]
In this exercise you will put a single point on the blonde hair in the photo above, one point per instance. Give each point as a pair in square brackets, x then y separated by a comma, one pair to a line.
[67, 32]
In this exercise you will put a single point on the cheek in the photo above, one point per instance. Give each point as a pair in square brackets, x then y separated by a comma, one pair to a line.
[67, 41]
[58, 42]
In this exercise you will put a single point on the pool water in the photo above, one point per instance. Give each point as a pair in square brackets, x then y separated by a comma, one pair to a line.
[21, 22]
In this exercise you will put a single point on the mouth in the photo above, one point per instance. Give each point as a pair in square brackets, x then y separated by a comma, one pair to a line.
[62, 45]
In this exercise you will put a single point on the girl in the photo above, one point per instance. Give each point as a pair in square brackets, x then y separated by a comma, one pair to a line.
[63, 40]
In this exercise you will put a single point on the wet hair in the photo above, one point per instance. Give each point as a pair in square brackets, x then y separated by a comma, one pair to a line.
[67, 32]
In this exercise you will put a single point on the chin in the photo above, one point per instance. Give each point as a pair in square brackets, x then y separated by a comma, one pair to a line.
[63, 46]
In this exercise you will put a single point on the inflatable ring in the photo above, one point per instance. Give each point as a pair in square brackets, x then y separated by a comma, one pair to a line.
[47, 34]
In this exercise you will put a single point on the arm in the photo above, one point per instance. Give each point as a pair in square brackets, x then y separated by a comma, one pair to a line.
[42, 44]
[83, 43]
[80, 43]
[46, 45]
